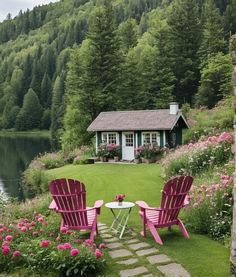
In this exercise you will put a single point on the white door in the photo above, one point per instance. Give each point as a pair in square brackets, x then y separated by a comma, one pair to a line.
[128, 146]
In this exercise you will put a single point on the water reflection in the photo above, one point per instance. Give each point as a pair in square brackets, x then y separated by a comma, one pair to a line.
[16, 152]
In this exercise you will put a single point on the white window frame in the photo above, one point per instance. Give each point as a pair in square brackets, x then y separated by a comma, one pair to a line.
[158, 138]
[105, 137]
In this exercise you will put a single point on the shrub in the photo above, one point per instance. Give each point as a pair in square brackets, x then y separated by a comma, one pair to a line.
[210, 210]
[202, 155]
[33, 244]
[52, 160]
[148, 151]
[35, 181]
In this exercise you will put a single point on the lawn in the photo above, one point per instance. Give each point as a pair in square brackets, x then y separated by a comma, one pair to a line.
[200, 255]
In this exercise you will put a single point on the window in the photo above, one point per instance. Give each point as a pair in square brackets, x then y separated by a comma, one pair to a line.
[109, 138]
[129, 140]
[151, 138]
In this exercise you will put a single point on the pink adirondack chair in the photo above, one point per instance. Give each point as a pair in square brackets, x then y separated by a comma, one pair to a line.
[69, 199]
[174, 197]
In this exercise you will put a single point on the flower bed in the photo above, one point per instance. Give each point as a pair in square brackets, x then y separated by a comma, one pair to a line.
[148, 153]
[109, 151]
[202, 155]
[210, 209]
[33, 244]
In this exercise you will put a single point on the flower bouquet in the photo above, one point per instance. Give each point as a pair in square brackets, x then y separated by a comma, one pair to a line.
[120, 198]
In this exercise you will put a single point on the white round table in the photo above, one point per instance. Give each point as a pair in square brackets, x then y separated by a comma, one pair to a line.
[119, 224]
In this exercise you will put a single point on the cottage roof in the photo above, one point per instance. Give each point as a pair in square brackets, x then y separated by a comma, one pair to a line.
[136, 120]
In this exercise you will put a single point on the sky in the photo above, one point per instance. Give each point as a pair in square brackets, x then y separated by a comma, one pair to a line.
[14, 6]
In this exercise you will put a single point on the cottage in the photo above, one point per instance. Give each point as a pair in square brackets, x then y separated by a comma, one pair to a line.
[130, 129]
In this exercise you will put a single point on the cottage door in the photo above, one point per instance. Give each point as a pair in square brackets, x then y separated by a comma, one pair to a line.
[128, 146]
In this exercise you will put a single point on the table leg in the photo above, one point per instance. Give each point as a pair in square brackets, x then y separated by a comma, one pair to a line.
[125, 225]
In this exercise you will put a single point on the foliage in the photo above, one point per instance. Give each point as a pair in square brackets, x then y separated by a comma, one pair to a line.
[103, 150]
[52, 160]
[210, 210]
[215, 81]
[194, 158]
[148, 151]
[206, 122]
[33, 243]
[114, 150]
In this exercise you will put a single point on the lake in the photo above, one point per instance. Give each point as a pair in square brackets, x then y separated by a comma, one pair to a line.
[16, 152]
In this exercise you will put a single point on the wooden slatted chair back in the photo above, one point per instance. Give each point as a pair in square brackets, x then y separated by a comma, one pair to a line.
[173, 196]
[70, 198]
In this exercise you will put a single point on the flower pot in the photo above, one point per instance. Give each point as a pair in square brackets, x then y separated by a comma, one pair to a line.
[120, 203]
[104, 159]
[116, 158]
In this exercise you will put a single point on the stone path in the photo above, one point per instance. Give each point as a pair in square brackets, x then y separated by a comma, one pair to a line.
[139, 258]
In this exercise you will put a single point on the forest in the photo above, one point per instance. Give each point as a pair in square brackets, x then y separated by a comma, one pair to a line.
[64, 63]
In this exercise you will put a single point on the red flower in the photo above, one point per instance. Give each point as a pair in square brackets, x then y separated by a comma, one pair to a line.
[8, 238]
[74, 252]
[44, 243]
[6, 250]
[98, 253]
[67, 245]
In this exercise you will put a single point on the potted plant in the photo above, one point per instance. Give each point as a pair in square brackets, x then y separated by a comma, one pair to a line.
[137, 156]
[114, 151]
[120, 198]
[103, 152]
[150, 153]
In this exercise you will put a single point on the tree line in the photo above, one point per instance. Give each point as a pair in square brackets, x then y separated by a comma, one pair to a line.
[64, 63]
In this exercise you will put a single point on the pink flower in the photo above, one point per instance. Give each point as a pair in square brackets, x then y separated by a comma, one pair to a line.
[16, 254]
[8, 238]
[74, 252]
[1, 230]
[225, 137]
[6, 250]
[40, 219]
[35, 233]
[60, 247]
[58, 238]
[23, 229]
[67, 245]
[88, 241]
[44, 243]
[98, 253]
[102, 245]
[63, 229]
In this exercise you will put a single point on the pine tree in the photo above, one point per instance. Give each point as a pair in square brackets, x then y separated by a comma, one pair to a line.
[184, 28]
[17, 84]
[230, 18]
[57, 110]
[46, 91]
[30, 114]
[213, 35]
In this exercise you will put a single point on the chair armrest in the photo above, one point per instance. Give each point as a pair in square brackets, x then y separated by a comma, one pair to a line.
[53, 205]
[186, 201]
[97, 205]
[142, 205]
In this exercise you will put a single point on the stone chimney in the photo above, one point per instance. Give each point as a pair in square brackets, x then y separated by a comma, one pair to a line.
[174, 108]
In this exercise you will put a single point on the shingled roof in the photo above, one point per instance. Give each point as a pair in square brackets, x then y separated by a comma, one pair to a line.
[135, 120]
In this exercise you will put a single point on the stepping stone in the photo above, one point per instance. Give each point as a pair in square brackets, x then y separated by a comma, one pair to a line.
[111, 239]
[133, 272]
[114, 245]
[173, 270]
[158, 259]
[120, 253]
[103, 228]
[139, 245]
[104, 231]
[146, 251]
[101, 224]
[106, 235]
[128, 262]
[132, 241]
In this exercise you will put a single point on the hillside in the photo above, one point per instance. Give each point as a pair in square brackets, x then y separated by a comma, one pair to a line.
[154, 66]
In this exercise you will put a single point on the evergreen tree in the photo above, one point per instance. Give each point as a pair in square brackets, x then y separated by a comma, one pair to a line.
[27, 71]
[215, 80]
[230, 18]
[46, 91]
[184, 29]
[17, 84]
[57, 110]
[213, 36]
[30, 114]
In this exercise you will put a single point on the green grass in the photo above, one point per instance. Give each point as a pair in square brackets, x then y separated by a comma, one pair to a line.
[41, 133]
[200, 255]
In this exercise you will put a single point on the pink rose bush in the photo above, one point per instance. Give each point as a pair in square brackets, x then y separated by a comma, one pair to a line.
[35, 243]
[195, 157]
[210, 209]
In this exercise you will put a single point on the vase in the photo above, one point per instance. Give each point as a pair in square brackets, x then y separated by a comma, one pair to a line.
[120, 203]
[116, 158]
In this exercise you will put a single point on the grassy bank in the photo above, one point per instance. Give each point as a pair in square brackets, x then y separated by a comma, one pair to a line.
[200, 255]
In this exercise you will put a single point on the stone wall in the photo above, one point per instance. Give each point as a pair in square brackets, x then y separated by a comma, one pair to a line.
[233, 236]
